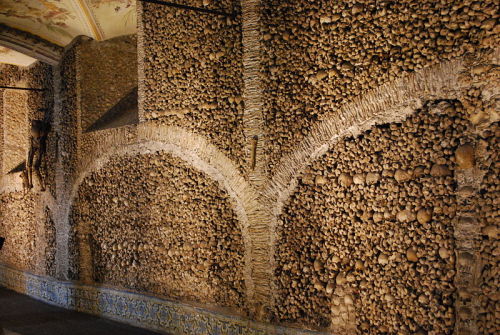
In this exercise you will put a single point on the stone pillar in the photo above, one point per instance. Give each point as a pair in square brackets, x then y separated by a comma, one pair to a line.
[66, 126]
[259, 217]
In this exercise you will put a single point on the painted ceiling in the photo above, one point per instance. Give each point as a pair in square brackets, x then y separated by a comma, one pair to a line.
[59, 21]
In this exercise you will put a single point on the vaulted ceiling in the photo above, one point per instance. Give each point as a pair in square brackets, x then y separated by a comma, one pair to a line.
[59, 21]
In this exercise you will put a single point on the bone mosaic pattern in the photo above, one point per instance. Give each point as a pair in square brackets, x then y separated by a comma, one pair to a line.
[320, 54]
[489, 212]
[18, 227]
[15, 140]
[199, 86]
[49, 230]
[108, 73]
[376, 212]
[184, 244]
[373, 248]
[21, 106]
[20, 212]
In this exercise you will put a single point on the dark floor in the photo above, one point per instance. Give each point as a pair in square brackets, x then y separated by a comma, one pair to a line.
[21, 315]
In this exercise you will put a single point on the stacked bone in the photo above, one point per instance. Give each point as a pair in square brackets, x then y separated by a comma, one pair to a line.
[158, 226]
[50, 245]
[193, 71]
[24, 106]
[18, 221]
[489, 322]
[40, 105]
[39, 75]
[15, 129]
[373, 218]
[17, 225]
[108, 74]
[68, 125]
[318, 55]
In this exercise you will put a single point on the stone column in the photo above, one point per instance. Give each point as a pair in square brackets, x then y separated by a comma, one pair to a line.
[259, 217]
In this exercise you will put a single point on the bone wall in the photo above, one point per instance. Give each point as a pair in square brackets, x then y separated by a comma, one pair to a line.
[192, 72]
[391, 228]
[16, 131]
[69, 115]
[318, 55]
[19, 228]
[108, 73]
[1, 130]
[20, 107]
[366, 242]
[488, 321]
[21, 215]
[166, 223]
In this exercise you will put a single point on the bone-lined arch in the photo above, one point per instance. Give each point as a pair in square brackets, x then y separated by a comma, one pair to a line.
[397, 103]
[199, 154]
[391, 102]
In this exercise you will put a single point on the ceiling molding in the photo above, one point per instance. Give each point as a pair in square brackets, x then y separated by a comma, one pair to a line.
[41, 29]
[30, 45]
[90, 20]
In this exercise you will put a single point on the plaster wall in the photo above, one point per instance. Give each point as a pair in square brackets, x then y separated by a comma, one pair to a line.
[15, 147]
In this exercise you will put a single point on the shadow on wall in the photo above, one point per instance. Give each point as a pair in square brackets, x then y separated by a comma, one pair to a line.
[124, 113]
[108, 76]
[153, 224]
[35, 166]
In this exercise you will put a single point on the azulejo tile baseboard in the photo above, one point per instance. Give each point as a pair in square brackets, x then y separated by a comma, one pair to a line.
[136, 309]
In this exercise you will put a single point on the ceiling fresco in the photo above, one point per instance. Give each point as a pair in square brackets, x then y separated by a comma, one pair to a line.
[59, 21]
[9, 56]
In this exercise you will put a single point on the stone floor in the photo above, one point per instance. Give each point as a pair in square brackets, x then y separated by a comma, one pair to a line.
[21, 315]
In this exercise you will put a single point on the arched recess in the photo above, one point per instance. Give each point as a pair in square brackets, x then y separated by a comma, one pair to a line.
[395, 105]
[200, 155]
[391, 102]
